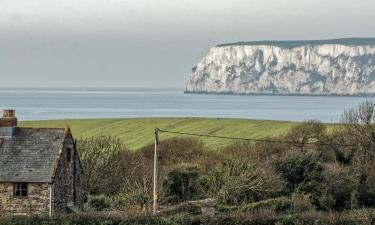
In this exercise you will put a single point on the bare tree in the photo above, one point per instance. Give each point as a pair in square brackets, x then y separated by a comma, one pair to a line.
[137, 178]
[359, 130]
[101, 158]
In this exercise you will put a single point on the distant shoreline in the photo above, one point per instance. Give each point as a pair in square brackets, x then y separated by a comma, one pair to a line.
[278, 94]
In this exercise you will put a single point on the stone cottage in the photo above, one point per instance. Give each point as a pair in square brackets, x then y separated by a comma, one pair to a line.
[40, 171]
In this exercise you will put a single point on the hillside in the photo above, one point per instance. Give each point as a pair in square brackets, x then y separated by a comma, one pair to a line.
[139, 132]
[322, 67]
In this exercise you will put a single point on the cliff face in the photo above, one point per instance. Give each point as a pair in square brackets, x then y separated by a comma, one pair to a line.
[337, 67]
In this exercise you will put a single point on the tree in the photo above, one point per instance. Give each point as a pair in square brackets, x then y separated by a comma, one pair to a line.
[307, 132]
[183, 184]
[303, 172]
[101, 160]
[358, 129]
[137, 180]
[239, 181]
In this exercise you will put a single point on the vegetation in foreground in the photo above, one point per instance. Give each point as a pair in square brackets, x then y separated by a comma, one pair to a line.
[261, 217]
[139, 132]
[305, 169]
[307, 175]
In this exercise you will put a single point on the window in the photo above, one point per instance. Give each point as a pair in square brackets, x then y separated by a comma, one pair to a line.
[20, 189]
[68, 154]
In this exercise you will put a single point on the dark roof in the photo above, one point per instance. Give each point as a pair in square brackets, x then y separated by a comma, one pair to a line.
[293, 44]
[30, 155]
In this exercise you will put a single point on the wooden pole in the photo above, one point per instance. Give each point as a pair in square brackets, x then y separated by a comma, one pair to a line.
[155, 195]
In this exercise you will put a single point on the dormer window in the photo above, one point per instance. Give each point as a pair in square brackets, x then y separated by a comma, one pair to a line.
[20, 189]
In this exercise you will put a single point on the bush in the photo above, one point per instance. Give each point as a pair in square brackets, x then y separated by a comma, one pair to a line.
[258, 217]
[102, 159]
[237, 182]
[276, 204]
[301, 203]
[338, 188]
[365, 192]
[303, 172]
[300, 170]
[98, 202]
[280, 204]
[307, 132]
[183, 184]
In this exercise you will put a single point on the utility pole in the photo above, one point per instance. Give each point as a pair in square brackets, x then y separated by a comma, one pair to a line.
[155, 196]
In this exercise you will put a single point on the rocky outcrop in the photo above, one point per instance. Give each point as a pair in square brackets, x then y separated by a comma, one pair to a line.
[332, 67]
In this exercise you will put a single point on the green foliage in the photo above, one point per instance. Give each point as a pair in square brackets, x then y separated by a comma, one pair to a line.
[98, 202]
[301, 170]
[236, 182]
[338, 188]
[182, 208]
[183, 184]
[275, 204]
[301, 203]
[258, 217]
[306, 132]
[366, 191]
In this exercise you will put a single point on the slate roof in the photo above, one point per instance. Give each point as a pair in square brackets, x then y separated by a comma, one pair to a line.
[30, 155]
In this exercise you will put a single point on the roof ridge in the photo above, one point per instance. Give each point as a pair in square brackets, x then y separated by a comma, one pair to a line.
[42, 128]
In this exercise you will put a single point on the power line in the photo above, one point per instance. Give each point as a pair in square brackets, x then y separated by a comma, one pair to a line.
[254, 139]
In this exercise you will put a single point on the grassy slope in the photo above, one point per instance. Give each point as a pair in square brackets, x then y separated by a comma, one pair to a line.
[139, 132]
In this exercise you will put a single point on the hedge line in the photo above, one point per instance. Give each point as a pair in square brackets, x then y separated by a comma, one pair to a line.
[263, 217]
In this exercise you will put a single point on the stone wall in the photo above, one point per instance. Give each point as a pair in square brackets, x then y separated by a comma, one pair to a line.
[67, 184]
[37, 202]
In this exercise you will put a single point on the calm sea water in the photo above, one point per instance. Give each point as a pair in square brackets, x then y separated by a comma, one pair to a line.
[43, 104]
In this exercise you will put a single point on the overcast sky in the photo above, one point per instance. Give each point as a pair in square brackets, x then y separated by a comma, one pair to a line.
[152, 43]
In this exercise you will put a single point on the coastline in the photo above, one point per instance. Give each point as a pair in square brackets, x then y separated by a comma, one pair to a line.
[279, 94]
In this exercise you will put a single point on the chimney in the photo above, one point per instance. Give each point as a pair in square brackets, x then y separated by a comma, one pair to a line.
[8, 123]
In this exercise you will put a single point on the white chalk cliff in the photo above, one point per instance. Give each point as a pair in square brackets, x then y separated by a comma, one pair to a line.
[328, 67]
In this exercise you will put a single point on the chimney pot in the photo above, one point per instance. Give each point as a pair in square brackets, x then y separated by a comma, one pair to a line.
[9, 113]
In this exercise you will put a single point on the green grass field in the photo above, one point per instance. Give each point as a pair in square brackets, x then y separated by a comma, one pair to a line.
[139, 132]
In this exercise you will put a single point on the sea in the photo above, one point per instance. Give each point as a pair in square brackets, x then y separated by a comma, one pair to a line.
[79, 103]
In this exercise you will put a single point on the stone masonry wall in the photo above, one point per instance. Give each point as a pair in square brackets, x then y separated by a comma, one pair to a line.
[37, 202]
[68, 186]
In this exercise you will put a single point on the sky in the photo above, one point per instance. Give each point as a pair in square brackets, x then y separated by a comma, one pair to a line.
[152, 43]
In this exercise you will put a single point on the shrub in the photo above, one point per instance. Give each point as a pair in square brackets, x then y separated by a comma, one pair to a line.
[183, 184]
[276, 204]
[101, 158]
[301, 203]
[237, 182]
[98, 202]
[303, 172]
[338, 188]
[307, 132]
[258, 217]
[365, 192]
[299, 169]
